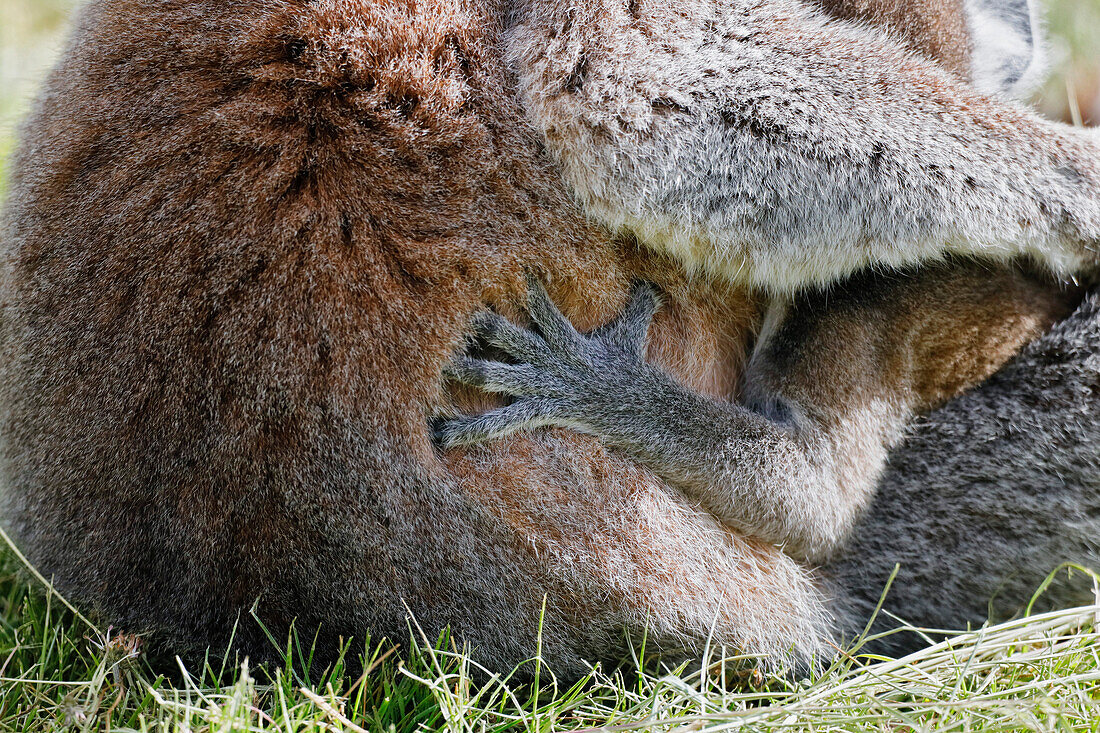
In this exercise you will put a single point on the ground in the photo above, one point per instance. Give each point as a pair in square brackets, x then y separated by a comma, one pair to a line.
[61, 671]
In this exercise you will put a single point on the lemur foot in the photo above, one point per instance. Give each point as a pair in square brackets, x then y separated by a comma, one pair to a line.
[560, 378]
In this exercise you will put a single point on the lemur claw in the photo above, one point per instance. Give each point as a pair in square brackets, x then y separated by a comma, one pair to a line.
[559, 374]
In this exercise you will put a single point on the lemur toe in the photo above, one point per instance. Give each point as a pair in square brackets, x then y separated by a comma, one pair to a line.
[630, 331]
[497, 377]
[500, 333]
[521, 416]
[550, 322]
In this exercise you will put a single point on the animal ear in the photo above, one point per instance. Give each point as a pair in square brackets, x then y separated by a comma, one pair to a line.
[1008, 55]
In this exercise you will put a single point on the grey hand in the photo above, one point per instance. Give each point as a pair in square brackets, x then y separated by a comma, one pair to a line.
[560, 378]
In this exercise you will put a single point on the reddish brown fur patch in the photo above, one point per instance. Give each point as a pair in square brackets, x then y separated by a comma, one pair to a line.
[1004, 311]
[915, 340]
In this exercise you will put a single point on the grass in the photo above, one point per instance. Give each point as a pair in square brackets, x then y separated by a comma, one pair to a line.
[60, 672]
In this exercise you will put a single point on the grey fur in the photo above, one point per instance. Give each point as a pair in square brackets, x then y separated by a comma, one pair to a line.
[763, 142]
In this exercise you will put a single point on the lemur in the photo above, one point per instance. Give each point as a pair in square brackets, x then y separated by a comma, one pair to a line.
[243, 241]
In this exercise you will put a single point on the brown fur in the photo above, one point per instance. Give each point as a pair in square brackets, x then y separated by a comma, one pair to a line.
[918, 339]
[243, 240]
[935, 28]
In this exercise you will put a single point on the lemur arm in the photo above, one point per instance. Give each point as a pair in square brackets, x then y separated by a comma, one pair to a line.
[777, 473]
[834, 380]
[767, 143]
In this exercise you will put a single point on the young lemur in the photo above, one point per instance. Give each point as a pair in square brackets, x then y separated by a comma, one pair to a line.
[835, 379]
[244, 239]
[666, 125]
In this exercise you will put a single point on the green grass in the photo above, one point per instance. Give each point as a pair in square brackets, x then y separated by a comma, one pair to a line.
[59, 672]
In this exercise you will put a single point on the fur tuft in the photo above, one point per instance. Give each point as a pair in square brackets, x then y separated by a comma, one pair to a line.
[1009, 53]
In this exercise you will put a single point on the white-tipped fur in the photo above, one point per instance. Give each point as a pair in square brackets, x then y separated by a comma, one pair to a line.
[777, 147]
[1008, 54]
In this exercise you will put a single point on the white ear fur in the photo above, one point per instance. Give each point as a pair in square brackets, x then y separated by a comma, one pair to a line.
[1008, 52]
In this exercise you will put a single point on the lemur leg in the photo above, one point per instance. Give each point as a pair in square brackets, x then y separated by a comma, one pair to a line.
[830, 389]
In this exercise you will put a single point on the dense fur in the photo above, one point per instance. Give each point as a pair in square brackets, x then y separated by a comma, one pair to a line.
[244, 239]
